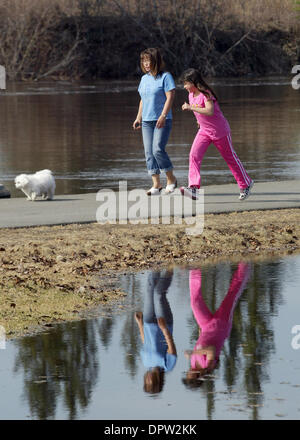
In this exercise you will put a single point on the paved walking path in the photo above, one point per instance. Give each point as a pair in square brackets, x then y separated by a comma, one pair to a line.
[82, 208]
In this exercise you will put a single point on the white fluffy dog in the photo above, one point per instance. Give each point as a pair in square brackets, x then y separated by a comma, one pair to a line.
[41, 183]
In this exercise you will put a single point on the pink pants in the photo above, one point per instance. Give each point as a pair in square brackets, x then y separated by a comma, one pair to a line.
[215, 327]
[225, 312]
[224, 145]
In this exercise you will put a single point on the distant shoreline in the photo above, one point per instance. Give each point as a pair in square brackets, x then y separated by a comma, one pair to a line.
[247, 80]
[93, 40]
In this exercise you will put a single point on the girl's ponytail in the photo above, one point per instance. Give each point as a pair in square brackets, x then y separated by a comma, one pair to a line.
[194, 76]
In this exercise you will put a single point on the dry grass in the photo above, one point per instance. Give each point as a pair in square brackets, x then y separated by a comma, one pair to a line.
[252, 14]
[27, 309]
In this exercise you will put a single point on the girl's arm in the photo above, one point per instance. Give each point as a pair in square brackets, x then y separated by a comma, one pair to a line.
[167, 107]
[210, 352]
[208, 110]
[137, 123]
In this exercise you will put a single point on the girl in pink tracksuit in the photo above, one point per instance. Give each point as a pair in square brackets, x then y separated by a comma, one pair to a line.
[213, 128]
[214, 328]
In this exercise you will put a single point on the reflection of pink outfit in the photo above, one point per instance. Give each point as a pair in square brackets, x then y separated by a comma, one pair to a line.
[213, 129]
[215, 328]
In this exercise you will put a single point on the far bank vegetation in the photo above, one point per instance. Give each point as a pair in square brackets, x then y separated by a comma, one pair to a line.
[92, 39]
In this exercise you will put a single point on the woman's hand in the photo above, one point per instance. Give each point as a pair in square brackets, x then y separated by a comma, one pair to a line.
[161, 122]
[137, 124]
[161, 323]
[186, 106]
[138, 316]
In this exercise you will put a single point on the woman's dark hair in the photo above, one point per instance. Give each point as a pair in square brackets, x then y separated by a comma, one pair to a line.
[157, 63]
[194, 76]
[154, 380]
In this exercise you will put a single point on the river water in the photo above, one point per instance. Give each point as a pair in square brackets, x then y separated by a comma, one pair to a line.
[83, 133]
[94, 368]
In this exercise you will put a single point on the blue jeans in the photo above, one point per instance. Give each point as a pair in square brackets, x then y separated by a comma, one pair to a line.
[156, 304]
[155, 141]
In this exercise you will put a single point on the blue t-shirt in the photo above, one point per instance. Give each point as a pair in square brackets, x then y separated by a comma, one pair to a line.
[153, 94]
[154, 352]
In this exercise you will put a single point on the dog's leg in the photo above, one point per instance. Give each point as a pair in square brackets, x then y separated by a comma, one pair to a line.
[33, 196]
[26, 194]
[50, 195]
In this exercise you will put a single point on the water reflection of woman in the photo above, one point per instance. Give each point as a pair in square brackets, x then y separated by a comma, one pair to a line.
[156, 328]
[214, 328]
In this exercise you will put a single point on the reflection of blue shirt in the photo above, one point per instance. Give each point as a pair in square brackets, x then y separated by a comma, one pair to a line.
[153, 94]
[154, 352]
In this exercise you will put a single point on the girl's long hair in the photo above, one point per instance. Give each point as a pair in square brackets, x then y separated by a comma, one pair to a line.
[157, 63]
[194, 76]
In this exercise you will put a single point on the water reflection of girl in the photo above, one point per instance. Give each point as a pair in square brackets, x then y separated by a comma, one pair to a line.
[214, 328]
[156, 327]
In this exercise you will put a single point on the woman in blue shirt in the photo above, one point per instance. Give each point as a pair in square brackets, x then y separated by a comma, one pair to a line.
[157, 91]
[158, 352]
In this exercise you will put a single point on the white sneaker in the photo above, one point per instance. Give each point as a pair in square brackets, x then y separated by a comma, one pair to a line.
[154, 191]
[245, 192]
[171, 188]
[191, 192]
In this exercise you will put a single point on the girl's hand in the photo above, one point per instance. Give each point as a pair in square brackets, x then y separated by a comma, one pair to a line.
[161, 122]
[188, 353]
[137, 124]
[186, 106]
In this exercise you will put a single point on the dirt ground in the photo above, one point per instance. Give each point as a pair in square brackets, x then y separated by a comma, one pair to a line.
[54, 274]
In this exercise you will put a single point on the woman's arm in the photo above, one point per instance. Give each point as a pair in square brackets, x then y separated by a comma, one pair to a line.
[169, 338]
[208, 110]
[137, 123]
[167, 107]
[139, 320]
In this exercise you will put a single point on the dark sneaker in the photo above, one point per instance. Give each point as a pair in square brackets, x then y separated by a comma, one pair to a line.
[245, 192]
[191, 192]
